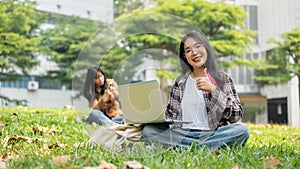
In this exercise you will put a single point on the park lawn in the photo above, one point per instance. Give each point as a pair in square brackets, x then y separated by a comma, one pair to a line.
[42, 138]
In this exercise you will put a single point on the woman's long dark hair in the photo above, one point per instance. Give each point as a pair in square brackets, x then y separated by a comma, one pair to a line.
[89, 86]
[210, 64]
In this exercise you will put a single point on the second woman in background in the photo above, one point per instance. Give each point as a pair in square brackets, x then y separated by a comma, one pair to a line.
[103, 97]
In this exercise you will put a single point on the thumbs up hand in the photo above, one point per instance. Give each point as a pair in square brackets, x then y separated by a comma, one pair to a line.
[203, 83]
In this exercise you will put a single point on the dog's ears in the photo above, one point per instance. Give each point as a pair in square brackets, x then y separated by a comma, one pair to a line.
[112, 82]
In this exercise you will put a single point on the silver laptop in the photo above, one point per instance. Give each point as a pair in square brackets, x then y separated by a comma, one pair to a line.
[142, 103]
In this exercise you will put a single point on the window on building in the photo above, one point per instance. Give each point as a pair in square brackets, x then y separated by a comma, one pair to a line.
[248, 72]
[253, 17]
[244, 75]
[234, 73]
[241, 72]
[22, 82]
[252, 20]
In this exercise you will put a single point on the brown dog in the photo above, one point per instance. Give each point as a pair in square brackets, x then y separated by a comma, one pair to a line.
[109, 101]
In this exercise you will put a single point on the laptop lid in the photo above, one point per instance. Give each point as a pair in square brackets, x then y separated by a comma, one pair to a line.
[142, 102]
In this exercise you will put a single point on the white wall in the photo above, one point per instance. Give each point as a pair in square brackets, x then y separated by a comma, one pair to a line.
[100, 10]
[275, 17]
[274, 91]
[293, 100]
[247, 88]
[44, 97]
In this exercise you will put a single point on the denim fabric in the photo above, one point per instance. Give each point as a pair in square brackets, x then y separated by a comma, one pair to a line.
[100, 118]
[118, 119]
[229, 135]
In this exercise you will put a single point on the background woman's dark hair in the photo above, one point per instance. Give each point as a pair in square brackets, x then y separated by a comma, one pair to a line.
[210, 64]
[89, 86]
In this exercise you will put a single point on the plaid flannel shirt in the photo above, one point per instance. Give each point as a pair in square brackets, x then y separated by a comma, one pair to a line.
[223, 107]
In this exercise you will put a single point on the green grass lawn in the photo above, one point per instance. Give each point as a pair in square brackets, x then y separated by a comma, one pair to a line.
[52, 138]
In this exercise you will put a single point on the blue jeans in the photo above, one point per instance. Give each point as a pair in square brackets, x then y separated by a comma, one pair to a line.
[100, 118]
[229, 135]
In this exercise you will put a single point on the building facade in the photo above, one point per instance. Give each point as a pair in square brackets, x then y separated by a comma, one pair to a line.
[265, 104]
[277, 103]
[34, 89]
[275, 18]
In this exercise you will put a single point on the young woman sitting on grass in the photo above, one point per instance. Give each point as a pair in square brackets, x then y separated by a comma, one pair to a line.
[103, 97]
[203, 95]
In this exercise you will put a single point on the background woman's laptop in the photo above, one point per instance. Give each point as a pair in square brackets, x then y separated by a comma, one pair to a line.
[142, 103]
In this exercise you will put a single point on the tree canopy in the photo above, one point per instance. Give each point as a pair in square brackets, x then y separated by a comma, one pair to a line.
[154, 33]
[64, 42]
[222, 23]
[19, 39]
[283, 62]
[19, 42]
[162, 26]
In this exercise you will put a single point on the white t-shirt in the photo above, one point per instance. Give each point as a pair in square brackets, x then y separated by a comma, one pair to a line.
[193, 107]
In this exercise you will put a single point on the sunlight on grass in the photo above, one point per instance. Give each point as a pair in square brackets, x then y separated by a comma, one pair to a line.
[32, 137]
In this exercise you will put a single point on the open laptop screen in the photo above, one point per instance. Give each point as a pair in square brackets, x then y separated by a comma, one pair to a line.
[142, 102]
